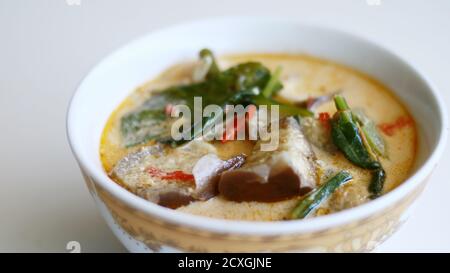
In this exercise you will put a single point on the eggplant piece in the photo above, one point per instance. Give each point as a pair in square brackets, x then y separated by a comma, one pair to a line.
[317, 134]
[162, 176]
[174, 199]
[242, 185]
[207, 173]
[271, 176]
[313, 103]
[174, 178]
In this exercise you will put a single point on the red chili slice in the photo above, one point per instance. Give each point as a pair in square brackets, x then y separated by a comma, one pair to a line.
[178, 175]
[168, 109]
[174, 175]
[232, 134]
[324, 119]
[390, 128]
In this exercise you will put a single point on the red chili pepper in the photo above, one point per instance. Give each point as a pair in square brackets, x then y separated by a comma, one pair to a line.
[154, 171]
[324, 119]
[230, 134]
[178, 175]
[238, 126]
[168, 109]
[174, 175]
[390, 128]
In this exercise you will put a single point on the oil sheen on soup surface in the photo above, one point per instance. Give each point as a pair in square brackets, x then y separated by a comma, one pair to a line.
[303, 77]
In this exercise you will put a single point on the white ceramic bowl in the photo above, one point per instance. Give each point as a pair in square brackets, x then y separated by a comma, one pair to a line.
[144, 226]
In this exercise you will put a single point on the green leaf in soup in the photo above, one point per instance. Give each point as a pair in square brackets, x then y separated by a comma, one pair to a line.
[373, 137]
[285, 109]
[377, 183]
[313, 199]
[246, 76]
[141, 126]
[228, 87]
[207, 57]
[273, 85]
[346, 136]
[240, 84]
[206, 68]
[219, 89]
[353, 133]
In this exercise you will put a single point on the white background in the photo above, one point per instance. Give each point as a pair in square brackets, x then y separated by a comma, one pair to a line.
[47, 46]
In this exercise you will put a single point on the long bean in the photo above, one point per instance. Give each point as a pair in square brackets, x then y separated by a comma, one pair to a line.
[317, 196]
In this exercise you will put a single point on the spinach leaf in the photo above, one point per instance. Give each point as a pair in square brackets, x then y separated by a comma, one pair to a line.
[373, 137]
[348, 136]
[240, 84]
[141, 126]
[228, 87]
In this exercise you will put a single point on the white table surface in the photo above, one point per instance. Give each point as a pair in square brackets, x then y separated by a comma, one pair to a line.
[47, 46]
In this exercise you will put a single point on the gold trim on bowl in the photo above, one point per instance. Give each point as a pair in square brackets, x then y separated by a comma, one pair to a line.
[361, 236]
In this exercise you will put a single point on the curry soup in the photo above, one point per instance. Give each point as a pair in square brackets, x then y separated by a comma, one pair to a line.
[318, 168]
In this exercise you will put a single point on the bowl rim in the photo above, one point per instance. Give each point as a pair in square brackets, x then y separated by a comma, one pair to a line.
[261, 228]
